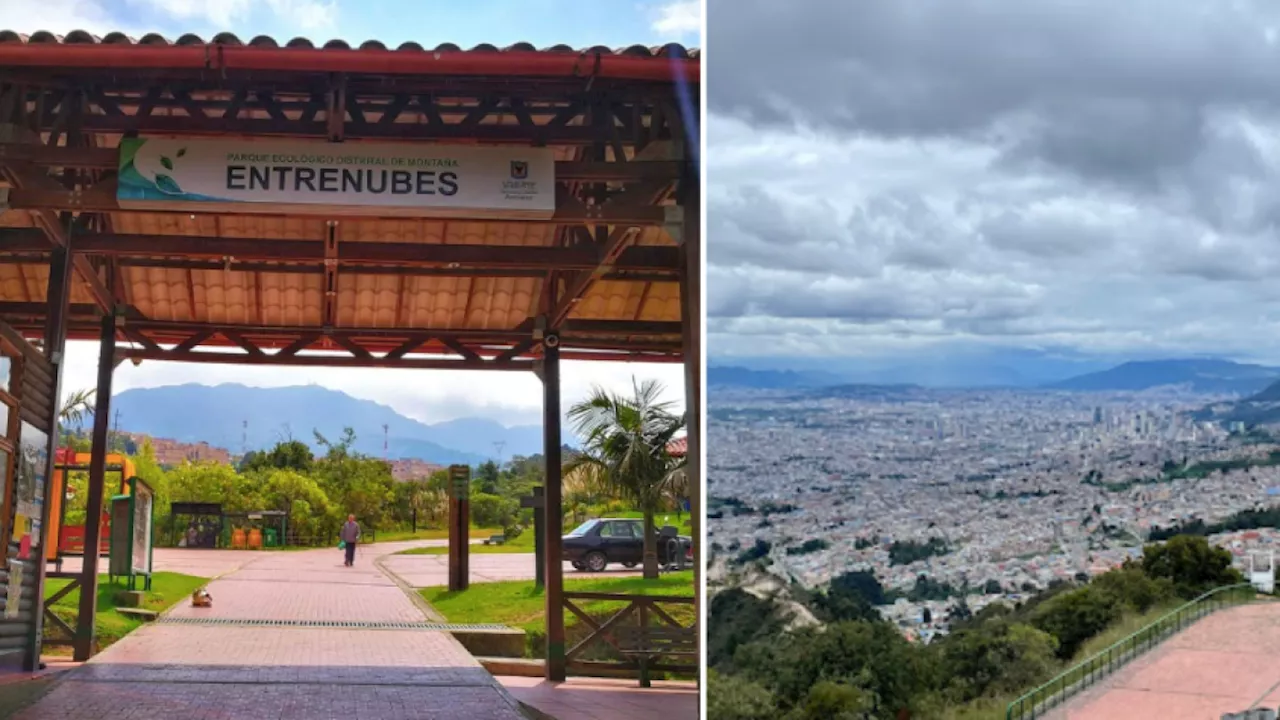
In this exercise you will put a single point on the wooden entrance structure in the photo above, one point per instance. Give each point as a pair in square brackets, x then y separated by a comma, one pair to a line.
[613, 275]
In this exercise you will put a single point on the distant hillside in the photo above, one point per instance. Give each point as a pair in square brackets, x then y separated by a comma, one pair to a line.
[729, 376]
[199, 413]
[1262, 408]
[1206, 376]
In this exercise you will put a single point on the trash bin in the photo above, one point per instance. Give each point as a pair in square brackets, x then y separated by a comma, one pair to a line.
[269, 538]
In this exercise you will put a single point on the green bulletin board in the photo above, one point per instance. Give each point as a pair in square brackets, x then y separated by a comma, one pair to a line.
[132, 530]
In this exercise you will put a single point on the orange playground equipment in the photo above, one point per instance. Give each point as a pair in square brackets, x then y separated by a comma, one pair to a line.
[71, 537]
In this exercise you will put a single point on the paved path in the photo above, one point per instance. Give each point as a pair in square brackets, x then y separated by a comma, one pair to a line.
[600, 699]
[433, 570]
[1226, 662]
[229, 672]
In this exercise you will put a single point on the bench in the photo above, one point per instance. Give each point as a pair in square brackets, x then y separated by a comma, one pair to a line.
[496, 540]
[140, 613]
[646, 642]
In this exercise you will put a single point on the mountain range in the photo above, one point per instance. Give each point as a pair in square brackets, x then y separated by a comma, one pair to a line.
[1198, 375]
[1202, 375]
[218, 415]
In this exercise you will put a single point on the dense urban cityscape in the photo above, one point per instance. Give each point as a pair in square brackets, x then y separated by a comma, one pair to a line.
[991, 495]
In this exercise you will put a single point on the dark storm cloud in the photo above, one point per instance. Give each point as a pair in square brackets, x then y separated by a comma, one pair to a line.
[1108, 89]
[1085, 174]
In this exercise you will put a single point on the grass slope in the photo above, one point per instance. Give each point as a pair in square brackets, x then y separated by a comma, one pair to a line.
[167, 589]
[520, 604]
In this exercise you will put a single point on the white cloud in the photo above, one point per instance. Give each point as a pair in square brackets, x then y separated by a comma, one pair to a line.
[427, 395]
[200, 16]
[683, 17]
[57, 16]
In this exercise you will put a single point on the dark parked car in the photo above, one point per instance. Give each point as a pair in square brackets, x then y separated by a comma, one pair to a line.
[596, 543]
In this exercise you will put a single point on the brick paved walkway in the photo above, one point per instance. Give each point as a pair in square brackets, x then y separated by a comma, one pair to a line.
[433, 570]
[600, 699]
[231, 672]
[1226, 662]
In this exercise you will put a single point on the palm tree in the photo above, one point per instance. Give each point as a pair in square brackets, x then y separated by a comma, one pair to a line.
[76, 409]
[625, 449]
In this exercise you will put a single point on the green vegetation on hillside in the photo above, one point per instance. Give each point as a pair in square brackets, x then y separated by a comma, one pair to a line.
[1172, 471]
[905, 552]
[1243, 520]
[859, 666]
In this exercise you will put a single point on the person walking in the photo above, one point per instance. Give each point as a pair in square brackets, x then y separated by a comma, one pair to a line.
[350, 536]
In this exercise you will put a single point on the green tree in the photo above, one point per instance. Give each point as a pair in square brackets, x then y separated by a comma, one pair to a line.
[299, 495]
[736, 618]
[625, 443]
[1191, 564]
[997, 658]
[873, 655]
[733, 698]
[829, 700]
[290, 454]
[486, 479]
[1075, 616]
[493, 510]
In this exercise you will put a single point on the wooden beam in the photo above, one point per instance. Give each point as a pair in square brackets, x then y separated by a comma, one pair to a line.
[639, 259]
[21, 260]
[349, 361]
[566, 170]
[102, 198]
[21, 176]
[609, 251]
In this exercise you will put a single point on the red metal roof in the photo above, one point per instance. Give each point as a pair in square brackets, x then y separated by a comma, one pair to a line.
[226, 51]
[265, 41]
[678, 447]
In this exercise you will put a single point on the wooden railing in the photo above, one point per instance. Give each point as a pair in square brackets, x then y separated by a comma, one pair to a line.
[612, 656]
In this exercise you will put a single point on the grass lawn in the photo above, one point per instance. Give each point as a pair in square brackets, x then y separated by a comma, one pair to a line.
[167, 589]
[433, 534]
[519, 604]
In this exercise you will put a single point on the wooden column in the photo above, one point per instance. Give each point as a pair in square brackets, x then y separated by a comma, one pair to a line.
[691, 305]
[97, 486]
[58, 300]
[554, 510]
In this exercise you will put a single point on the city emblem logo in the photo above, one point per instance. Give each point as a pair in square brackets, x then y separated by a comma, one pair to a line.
[519, 169]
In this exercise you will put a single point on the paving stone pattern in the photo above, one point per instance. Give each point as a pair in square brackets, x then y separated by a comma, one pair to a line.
[227, 671]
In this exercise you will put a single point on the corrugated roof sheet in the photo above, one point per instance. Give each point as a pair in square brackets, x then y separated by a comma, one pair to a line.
[226, 38]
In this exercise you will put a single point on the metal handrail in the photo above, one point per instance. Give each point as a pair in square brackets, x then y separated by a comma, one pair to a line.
[1101, 664]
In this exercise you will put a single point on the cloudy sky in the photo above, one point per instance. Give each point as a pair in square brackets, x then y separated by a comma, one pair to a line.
[431, 396]
[914, 176]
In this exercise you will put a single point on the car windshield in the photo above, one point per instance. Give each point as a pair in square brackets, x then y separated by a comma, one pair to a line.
[582, 529]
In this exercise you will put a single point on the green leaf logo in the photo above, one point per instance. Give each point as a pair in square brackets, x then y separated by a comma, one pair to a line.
[166, 162]
[167, 184]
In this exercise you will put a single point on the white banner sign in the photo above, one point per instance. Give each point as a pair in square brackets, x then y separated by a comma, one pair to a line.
[326, 178]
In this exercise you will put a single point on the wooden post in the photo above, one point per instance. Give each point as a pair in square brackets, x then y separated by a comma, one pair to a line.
[97, 483]
[538, 501]
[691, 319]
[553, 523]
[459, 525]
[58, 299]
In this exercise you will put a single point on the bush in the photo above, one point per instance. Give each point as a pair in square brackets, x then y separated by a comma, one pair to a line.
[733, 698]
[493, 510]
